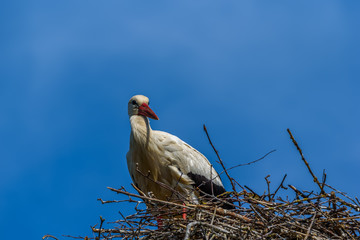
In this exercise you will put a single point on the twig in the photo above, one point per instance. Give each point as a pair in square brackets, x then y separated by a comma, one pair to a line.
[48, 236]
[309, 230]
[101, 223]
[268, 186]
[259, 159]
[304, 160]
[220, 161]
[281, 185]
[213, 217]
[257, 195]
[323, 179]
[97, 230]
[148, 198]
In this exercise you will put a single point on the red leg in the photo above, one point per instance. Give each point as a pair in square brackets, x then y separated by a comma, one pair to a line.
[184, 212]
[159, 222]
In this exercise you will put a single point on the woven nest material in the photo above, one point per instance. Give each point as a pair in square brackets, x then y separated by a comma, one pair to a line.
[307, 216]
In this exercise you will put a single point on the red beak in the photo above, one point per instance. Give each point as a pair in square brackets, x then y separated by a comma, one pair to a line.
[146, 111]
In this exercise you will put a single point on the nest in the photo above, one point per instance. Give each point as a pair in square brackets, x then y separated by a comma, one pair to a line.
[324, 213]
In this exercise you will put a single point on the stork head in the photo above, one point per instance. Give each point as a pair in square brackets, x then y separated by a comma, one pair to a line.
[139, 105]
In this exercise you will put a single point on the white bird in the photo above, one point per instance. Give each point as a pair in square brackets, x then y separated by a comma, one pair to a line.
[162, 164]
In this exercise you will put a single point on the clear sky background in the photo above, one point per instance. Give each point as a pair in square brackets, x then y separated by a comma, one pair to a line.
[247, 69]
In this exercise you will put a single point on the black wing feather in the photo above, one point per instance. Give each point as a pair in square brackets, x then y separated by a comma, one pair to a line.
[206, 186]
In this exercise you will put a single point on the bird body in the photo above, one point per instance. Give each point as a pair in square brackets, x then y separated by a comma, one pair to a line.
[162, 163]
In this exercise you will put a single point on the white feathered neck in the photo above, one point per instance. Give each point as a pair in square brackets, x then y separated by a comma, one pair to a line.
[140, 130]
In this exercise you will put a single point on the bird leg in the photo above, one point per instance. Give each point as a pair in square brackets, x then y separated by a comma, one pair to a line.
[184, 212]
[159, 222]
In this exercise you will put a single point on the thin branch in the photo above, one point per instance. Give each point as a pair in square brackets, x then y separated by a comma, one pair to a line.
[47, 236]
[304, 160]
[101, 223]
[311, 225]
[281, 185]
[257, 160]
[220, 161]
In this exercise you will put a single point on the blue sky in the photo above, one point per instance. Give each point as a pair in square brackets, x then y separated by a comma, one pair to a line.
[247, 69]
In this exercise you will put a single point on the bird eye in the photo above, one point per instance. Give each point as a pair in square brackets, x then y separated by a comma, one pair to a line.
[134, 102]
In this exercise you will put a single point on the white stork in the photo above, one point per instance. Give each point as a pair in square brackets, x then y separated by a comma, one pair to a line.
[159, 162]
